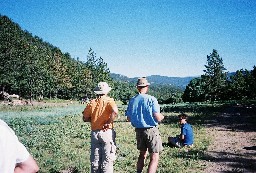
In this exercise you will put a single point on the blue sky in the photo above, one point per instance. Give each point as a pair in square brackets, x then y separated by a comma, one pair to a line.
[145, 37]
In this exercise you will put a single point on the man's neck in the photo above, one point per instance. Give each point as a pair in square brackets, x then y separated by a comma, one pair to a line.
[143, 90]
[102, 96]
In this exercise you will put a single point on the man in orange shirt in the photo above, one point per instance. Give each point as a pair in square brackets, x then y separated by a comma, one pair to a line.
[101, 112]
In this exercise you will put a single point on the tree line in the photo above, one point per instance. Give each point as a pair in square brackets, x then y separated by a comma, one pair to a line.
[216, 85]
[35, 69]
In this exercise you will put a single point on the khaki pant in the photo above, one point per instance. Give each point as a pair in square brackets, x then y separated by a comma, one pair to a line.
[103, 151]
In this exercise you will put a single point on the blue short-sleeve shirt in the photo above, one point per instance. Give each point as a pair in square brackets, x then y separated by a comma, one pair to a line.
[187, 131]
[141, 109]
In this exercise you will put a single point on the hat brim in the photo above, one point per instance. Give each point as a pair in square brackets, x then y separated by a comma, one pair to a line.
[143, 85]
[103, 92]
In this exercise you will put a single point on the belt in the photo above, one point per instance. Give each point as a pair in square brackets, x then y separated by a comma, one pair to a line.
[101, 129]
[146, 128]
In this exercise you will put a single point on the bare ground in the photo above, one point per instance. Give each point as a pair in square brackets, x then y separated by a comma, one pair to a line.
[233, 148]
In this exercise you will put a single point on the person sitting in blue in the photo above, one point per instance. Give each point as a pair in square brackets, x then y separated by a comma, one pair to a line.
[186, 137]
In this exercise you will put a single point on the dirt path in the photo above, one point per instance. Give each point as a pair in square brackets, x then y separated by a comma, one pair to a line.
[234, 145]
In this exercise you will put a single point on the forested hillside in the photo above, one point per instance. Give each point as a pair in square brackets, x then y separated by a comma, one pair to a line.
[180, 82]
[35, 69]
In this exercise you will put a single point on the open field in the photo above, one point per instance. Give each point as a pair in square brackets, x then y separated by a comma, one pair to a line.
[58, 139]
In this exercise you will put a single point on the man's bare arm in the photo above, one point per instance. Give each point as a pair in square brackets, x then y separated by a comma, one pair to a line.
[28, 166]
[159, 117]
[86, 118]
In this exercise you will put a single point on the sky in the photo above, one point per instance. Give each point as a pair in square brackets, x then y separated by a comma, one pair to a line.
[144, 37]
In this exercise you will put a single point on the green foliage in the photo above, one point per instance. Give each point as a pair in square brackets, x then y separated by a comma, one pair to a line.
[35, 69]
[214, 77]
[238, 85]
[215, 85]
[166, 94]
[194, 91]
[123, 91]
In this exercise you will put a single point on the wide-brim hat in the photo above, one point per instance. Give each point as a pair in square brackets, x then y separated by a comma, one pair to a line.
[142, 82]
[102, 88]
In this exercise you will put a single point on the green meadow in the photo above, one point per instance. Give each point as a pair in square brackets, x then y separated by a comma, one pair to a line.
[58, 138]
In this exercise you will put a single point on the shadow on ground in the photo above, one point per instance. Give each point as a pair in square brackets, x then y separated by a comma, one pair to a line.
[230, 118]
[236, 118]
[238, 162]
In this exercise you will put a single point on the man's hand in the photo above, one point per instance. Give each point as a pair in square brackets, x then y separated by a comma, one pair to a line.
[106, 126]
[86, 119]
[159, 117]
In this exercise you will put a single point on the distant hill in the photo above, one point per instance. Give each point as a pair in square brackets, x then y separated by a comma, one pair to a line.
[180, 82]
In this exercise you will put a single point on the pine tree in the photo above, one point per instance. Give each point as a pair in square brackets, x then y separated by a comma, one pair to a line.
[214, 77]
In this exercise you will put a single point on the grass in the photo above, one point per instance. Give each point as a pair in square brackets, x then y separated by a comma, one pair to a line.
[8, 112]
[58, 139]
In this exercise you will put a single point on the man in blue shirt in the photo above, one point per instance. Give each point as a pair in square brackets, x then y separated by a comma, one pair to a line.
[143, 112]
[186, 137]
